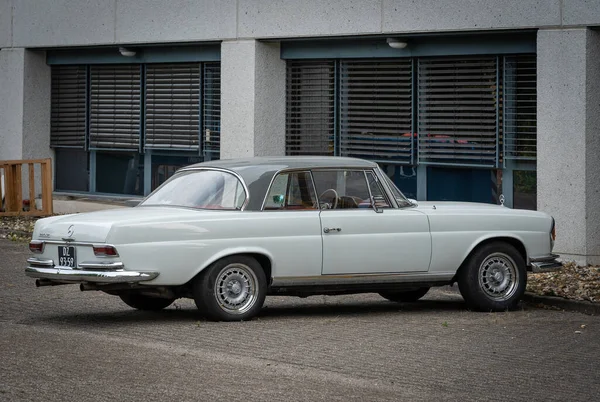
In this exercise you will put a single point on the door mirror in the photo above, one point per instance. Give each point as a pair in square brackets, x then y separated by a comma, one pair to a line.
[413, 201]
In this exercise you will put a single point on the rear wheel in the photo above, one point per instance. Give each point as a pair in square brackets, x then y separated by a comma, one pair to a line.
[146, 303]
[405, 296]
[231, 289]
[494, 278]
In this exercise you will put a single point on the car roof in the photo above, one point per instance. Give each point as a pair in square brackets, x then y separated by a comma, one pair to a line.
[288, 162]
[258, 172]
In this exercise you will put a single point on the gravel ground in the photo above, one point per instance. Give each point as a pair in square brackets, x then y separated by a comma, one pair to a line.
[572, 282]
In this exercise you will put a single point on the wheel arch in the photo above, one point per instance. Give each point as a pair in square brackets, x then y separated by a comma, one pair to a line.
[513, 241]
[263, 257]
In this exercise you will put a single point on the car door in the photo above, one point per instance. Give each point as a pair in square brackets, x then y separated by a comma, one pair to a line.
[361, 238]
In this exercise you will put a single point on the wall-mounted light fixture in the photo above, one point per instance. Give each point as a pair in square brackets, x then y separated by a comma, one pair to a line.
[396, 43]
[127, 52]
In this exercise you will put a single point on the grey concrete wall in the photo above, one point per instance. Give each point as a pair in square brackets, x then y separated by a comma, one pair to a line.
[175, 20]
[36, 106]
[5, 23]
[63, 22]
[567, 132]
[37, 23]
[11, 103]
[269, 101]
[252, 99]
[592, 148]
[237, 98]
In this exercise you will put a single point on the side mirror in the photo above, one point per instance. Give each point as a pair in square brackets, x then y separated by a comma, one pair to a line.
[278, 199]
[413, 201]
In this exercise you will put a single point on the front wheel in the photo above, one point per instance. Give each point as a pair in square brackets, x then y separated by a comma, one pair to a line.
[145, 303]
[494, 278]
[406, 296]
[231, 289]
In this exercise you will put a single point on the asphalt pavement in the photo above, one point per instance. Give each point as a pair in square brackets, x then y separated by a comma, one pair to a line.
[60, 344]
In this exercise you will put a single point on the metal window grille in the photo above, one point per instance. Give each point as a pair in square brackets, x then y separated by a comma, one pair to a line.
[310, 108]
[211, 126]
[376, 110]
[115, 109]
[172, 106]
[520, 108]
[458, 111]
[68, 106]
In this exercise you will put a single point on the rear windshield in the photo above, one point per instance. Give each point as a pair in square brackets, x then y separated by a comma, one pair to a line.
[204, 189]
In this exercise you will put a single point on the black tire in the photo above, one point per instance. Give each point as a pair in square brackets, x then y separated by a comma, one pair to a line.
[144, 302]
[231, 289]
[493, 278]
[405, 296]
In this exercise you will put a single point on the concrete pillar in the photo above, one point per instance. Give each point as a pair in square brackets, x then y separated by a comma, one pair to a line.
[568, 123]
[252, 99]
[24, 105]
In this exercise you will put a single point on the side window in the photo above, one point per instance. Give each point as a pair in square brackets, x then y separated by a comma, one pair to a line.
[291, 191]
[377, 191]
[342, 189]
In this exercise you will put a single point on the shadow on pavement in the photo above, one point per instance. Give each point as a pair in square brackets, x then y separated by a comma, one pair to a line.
[119, 318]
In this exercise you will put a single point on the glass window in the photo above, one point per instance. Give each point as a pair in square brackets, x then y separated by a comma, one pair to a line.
[525, 189]
[205, 189]
[377, 192]
[291, 191]
[71, 170]
[342, 189]
[119, 173]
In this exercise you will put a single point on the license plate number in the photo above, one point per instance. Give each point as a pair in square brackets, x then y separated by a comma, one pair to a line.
[66, 256]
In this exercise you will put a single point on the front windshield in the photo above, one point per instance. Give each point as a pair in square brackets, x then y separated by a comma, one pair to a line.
[400, 198]
[205, 189]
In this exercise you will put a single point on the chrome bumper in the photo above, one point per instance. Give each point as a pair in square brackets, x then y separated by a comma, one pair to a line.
[110, 272]
[547, 263]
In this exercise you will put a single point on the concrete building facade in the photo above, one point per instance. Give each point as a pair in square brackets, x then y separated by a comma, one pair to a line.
[482, 100]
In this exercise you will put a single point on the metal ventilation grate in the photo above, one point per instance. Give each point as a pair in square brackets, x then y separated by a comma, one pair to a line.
[520, 108]
[376, 110]
[68, 107]
[115, 110]
[211, 127]
[458, 111]
[172, 106]
[310, 108]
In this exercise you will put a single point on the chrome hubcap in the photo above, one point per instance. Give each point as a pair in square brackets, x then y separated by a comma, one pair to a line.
[235, 288]
[498, 276]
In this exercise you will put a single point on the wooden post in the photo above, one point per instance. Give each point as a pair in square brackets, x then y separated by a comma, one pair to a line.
[32, 187]
[47, 187]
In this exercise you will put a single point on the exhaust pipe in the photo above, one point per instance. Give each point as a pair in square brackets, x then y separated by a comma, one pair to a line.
[48, 282]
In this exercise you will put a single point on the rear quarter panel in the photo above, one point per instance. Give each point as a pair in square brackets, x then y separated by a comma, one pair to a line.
[179, 250]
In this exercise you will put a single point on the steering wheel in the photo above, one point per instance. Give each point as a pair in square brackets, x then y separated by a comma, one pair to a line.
[335, 197]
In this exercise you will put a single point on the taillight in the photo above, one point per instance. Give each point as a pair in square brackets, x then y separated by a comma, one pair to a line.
[105, 251]
[553, 232]
[36, 246]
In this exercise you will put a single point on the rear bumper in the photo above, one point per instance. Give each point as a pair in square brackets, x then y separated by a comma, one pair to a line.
[546, 263]
[111, 272]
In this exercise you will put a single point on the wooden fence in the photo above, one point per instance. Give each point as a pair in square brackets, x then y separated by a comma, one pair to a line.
[11, 190]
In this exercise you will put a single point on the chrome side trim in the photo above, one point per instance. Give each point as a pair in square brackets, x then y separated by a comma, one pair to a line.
[101, 265]
[546, 263]
[77, 275]
[291, 281]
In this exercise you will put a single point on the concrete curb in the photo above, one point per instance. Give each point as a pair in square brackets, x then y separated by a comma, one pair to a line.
[580, 306]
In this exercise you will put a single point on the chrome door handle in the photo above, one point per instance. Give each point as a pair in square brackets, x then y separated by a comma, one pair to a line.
[327, 230]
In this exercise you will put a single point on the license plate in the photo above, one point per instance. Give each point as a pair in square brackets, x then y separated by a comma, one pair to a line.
[66, 256]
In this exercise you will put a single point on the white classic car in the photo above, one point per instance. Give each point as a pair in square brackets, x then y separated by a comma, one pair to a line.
[227, 233]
